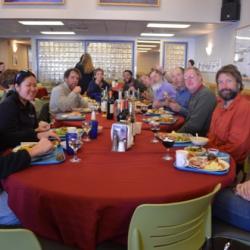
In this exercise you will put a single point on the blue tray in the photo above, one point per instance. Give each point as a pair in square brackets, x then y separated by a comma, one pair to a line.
[183, 144]
[222, 155]
[49, 159]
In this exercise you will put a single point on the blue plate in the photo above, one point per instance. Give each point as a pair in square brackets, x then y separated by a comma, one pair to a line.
[50, 159]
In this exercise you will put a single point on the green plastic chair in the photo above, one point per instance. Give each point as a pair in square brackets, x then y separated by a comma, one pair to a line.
[174, 226]
[18, 239]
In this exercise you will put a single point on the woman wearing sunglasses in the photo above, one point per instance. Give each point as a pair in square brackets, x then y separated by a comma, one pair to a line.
[18, 121]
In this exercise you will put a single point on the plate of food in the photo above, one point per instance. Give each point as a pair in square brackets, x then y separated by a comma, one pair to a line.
[29, 145]
[82, 110]
[157, 112]
[195, 150]
[71, 116]
[62, 131]
[177, 137]
[163, 120]
[213, 164]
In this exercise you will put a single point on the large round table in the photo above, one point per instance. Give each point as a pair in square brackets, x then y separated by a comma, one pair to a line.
[87, 203]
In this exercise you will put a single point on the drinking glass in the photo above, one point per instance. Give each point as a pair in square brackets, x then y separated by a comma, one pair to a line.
[75, 144]
[155, 127]
[167, 143]
[86, 127]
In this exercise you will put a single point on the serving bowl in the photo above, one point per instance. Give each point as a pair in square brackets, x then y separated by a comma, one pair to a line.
[199, 141]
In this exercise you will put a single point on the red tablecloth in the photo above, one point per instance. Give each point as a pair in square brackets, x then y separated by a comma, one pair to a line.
[86, 203]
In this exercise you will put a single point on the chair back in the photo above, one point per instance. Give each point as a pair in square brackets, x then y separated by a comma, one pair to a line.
[172, 226]
[21, 239]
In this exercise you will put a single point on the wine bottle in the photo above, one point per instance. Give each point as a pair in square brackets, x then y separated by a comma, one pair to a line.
[104, 102]
[122, 115]
[110, 107]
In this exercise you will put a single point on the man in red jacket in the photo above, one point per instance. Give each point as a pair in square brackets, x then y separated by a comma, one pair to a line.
[230, 127]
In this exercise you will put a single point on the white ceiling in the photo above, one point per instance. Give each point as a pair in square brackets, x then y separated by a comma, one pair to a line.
[11, 28]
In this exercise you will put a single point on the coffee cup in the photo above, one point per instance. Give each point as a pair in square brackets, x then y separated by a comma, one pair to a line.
[213, 151]
[181, 158]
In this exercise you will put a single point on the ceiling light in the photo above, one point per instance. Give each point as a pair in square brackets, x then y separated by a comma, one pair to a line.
[54, 23]
[142, 51]
[168, 25]
[243, 37]
[58, 32]
[146, 46]
[157, 34]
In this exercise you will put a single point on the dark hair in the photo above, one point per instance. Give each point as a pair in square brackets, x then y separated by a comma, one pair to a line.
[98, 69]
[68, 71]
[8, 77]
[157, 71]
[233, 71]
[22, 75]
[191, 62]
[128, 71]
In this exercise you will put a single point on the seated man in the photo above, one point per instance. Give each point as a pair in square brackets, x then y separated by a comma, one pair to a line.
[12, 163]
[131, 84]
[97, 85]
[229, 130]
[66, 96]
[148, 92]
[233, 206]
[180, 104]
[201, 104]
[161, 89]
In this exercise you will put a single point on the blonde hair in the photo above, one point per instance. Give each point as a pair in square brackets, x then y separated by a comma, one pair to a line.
[87, 63]
[196, 70]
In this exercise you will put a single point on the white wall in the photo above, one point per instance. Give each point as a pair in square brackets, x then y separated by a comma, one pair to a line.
[223, 41]
[170, 10]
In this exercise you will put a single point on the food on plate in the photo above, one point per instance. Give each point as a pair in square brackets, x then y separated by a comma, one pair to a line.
[199, 141]
[159, 111]
[177, 137]
[29, 145]
[161, 119]
[195, 150]
[208, 164]
[63, 130]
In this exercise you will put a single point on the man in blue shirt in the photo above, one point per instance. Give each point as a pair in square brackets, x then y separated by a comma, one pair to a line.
[180, 105]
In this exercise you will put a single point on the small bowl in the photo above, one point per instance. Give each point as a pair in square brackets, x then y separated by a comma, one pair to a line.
[199, 141]
[213, 151]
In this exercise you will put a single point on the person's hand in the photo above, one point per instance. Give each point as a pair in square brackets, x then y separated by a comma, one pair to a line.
[77, 90]
[174, 106]
[43, 126]
[42, 147]
[157, 104]
[48, 134]
[243, 190]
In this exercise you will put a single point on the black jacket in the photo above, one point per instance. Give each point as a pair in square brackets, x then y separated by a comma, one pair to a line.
[85, 79]
[14, 162]
[17, 122]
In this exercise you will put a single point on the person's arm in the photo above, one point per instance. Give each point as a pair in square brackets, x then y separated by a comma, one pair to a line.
[14, 162]
[199, 115]
[11, 135]
[20, 160]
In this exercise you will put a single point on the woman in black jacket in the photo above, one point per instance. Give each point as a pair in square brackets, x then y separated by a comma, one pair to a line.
[18, 121]
[85, 65]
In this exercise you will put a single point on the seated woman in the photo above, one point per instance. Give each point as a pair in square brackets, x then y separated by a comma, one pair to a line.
[97, 85]
[18, 121]
[12, 163]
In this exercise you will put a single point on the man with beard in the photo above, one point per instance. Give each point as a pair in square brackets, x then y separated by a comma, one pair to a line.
[230, 132]
[230, 126]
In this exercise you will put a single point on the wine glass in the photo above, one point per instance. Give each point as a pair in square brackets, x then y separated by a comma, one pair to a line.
[167, 143]
[155, 127]
[75, 144]
[86, 127]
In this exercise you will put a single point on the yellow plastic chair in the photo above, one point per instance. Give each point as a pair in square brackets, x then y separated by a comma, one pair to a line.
[18, 239]
[175, 226]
